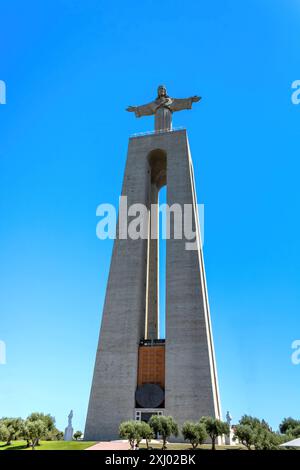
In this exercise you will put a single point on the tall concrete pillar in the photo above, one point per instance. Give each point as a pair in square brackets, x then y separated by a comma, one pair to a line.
[191, 377]
[112, 397]
[131, 303]
[152, 305]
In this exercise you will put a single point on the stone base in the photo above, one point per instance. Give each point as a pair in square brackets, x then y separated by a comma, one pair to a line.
[68, 436]
[229, 441]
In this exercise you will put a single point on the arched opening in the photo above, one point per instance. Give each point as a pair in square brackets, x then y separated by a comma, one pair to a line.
[156, 269]
[158, 167]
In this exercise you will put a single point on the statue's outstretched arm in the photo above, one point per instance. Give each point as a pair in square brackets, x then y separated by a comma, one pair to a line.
[144, 110]
[131, 109]
[184, 103]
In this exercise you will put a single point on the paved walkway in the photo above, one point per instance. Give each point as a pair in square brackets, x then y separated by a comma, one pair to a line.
[110, 445]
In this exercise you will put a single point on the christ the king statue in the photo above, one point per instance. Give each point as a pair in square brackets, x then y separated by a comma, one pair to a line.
[163, 107]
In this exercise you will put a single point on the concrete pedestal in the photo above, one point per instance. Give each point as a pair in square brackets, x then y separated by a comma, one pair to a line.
[68, 435]
[131, 302]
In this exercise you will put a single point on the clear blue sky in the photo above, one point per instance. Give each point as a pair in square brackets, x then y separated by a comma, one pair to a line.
[71, 67]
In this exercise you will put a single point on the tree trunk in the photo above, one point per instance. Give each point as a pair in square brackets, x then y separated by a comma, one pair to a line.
[213, 441]
[34, 443]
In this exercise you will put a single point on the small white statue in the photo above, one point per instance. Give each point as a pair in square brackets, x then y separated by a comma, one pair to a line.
[70, 417]
[228, 418]
[68, 436]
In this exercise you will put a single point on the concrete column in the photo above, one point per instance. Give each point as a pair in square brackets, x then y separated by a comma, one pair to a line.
[112, 397]
[152, 308]
[191, 378]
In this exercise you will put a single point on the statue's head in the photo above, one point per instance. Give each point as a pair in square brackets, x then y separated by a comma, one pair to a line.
[162, 91]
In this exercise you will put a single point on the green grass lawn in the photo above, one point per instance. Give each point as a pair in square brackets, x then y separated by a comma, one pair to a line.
[81, 445]
[49, 445]
[186, 446]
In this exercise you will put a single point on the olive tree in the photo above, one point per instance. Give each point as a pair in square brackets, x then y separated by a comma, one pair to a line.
[215, 428]
[165, 426]
[13, 427]
[49, 423]
[245, 434]
[33, 431]
[256, 434]
[195, 433]
[130, 431]
[77, 435]
[290, 426]
[4, 434]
